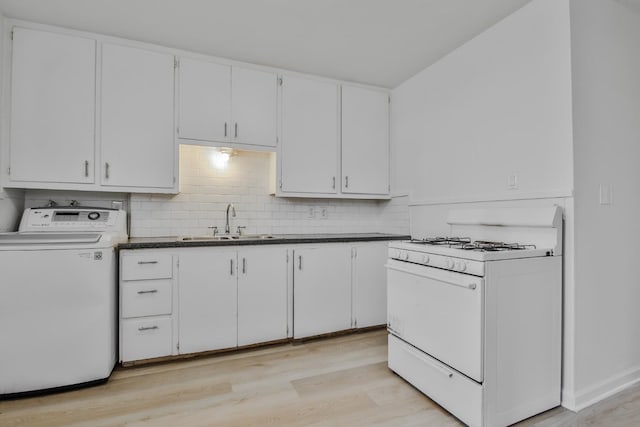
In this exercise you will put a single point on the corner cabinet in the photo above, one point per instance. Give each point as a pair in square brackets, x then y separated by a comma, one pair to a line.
[137, 138]
[226, 105]
[365, 141]
[52, 108]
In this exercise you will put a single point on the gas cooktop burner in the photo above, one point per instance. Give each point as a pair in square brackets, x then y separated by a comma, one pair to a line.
[466, 243]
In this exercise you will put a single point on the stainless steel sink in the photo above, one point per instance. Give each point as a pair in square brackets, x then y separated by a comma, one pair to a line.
[224, 237]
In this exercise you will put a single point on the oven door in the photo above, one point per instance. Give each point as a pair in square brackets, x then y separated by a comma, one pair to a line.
[438, 311]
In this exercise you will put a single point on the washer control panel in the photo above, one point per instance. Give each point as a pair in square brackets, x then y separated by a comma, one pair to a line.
[69, 219]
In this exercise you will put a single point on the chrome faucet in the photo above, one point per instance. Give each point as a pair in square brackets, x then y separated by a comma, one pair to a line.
[227, 229]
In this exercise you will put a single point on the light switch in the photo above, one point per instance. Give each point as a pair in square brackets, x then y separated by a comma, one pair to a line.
[606, 194]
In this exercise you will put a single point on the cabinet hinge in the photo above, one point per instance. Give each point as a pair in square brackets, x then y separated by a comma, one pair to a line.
[178, 346]
[9, 171]
[11, 34]
[176, 63]
[287, 257]
[280, 81]
[389, 98]
[355, 323]
[277, 140]
[281, 184]
[178, 130]
[389, 188]
[287, 330]
[174, 179]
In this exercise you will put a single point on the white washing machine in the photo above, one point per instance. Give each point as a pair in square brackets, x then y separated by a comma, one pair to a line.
[58, 306]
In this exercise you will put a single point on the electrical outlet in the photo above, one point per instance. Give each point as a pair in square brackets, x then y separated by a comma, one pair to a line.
[324, 213]
[512, 182]
[311, 212]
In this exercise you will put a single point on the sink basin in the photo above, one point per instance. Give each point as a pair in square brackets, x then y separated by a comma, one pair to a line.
[224, 237]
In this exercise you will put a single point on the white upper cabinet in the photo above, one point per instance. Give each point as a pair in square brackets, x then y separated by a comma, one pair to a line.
[365, 141]
[223, 104]
[204, 100]
[254, 107]
[52, 108]
[137, 131]
[309, 149]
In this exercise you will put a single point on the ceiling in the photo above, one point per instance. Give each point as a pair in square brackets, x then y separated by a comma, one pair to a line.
[378, 42]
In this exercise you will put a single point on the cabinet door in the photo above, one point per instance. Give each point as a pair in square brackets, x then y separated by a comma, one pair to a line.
[204, 100]
[309, 149]
[208, 300]
[52, 107]
[321, 290]
[254, 107]
[369, 284]
[137, 118]
[365, 141]
[262, 294]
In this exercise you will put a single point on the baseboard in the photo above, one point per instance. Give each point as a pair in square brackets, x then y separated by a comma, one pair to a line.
[593, 394]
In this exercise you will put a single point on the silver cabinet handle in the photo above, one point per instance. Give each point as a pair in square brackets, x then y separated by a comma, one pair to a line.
[86, 168]
[147, 262]
[236, 130]
[106, 170]
[471, 286]
[147, 328]
[244, 266]
[225, 129]
[334, 183]
[152, 291]
[231, 266]
[299, 262]
[346, 182]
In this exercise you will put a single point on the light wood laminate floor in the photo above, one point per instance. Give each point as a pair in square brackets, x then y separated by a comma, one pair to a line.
[342, 381]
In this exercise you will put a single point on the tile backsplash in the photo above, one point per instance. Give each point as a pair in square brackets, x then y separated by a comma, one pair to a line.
[205, 191]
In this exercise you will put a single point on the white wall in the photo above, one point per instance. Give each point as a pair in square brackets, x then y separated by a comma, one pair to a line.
[498, 105]
[606, 82]
[205, 192]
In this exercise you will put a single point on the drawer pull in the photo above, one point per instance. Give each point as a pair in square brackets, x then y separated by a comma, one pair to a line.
[147, 262]
[471, 286]
[435, 366]
[147, 328]
[151, 291]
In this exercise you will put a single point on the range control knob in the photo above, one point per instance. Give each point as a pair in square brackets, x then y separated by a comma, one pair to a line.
[425, 259]
[396, 254]
[450, 263]
[406, 256]
[462, 266]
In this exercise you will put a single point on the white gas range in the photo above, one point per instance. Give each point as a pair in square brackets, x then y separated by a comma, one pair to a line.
[475, 322]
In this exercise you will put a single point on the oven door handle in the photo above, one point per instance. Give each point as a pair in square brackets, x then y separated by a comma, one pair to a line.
[465, 281]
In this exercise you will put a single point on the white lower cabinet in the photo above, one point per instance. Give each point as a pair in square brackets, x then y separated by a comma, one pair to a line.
[231, 297]
[207, 299]
[147, 283]
[369, 284]
[322, 289]
[189, 300]
[262, 294]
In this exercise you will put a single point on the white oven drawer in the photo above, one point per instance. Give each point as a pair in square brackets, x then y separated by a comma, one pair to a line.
[146, 338]
[451, 390]
[147, 266]
[441, 312]
[146, 298]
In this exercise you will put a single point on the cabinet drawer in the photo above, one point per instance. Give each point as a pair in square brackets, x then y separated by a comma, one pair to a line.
[146, 298]
[147, 266]
[452, 390]
[146, 338]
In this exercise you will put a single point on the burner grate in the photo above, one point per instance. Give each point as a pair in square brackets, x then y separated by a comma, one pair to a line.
[466, 243]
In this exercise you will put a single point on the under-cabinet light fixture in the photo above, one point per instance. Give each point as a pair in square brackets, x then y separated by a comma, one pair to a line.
[220, 157]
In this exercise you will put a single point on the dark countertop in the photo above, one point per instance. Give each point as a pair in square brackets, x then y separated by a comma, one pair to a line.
[172, 242]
